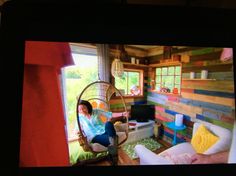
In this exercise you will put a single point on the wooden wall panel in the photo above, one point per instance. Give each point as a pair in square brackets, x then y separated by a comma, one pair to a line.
[211, 85]
[200, 100]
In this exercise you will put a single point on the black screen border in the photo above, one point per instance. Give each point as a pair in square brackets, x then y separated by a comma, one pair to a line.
[131, 24]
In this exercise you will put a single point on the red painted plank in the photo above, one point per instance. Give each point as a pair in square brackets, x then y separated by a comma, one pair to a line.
[227, 119]
[158, 116]
[187, 90]
[172, 132]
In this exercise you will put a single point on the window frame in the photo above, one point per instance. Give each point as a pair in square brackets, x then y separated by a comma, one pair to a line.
[141, 80]
[167, 65]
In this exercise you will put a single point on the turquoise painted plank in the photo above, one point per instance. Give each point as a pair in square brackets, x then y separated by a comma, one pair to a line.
[210, 114]
[219, 76]
[160, 96]
[156, 100]
[214, 93]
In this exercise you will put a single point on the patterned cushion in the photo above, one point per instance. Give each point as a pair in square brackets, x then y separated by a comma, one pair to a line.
[203, 139]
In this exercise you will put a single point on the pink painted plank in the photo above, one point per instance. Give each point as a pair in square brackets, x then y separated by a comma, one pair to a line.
[173, 98]
[159, 108]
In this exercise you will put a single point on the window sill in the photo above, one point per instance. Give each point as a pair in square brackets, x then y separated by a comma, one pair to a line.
[163, 93]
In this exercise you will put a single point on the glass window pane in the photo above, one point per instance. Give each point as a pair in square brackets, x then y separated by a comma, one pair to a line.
[169, 80]
[177, 70]
[164, 71]
[168, 77]
[129, 79]
[170, 87]
[171, 70]
[121, 83]
[133, 79]
[163, 81]
[177, 79]
[158, 79]
[158, 71]
[158, 87]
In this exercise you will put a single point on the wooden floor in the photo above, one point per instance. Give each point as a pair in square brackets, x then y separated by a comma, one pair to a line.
[123, 158]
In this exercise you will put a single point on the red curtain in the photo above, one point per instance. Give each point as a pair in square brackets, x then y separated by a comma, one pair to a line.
[43, 134]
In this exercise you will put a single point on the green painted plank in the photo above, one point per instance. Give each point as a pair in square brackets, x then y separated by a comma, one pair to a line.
[220, 123]
[202, 51]
[206, 63]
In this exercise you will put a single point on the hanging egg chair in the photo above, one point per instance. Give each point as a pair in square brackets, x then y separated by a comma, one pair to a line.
[99, 94]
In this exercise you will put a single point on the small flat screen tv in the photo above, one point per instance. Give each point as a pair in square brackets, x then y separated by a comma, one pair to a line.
[142, 112]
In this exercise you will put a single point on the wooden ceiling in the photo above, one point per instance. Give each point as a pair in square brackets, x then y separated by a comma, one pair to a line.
[149, 50]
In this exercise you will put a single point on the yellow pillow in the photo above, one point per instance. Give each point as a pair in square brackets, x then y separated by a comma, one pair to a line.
[203, 139]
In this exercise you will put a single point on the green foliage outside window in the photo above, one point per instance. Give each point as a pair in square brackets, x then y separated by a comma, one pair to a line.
[77, 77]
[128, 79]
[168, 77]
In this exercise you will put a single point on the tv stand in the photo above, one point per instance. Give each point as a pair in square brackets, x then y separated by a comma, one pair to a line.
[140, 130]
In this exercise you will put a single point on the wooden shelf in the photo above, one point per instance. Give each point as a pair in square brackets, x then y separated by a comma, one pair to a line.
[198, 79]
[166, 64]
[139, 65]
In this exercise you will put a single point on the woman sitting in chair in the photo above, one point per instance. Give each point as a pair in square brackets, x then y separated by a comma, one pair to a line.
[95, 130]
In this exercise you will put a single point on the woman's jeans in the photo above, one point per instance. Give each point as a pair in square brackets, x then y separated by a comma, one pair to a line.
[104, 138]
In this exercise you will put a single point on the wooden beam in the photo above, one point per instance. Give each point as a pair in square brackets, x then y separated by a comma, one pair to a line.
[165, 64]
[155, 51]
[208, 56]
[132, 51]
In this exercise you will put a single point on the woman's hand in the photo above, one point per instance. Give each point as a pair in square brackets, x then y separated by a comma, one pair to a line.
[125, 114]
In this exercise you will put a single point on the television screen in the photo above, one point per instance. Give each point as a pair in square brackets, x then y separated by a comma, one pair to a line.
[142, 113]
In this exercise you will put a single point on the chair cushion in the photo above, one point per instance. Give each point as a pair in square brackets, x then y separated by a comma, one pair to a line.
[179, 149]
[100, 148]
[203, 139]
[147, 157]
[121, 136]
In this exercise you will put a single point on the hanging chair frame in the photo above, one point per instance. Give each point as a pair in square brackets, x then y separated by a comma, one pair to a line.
[81, 137]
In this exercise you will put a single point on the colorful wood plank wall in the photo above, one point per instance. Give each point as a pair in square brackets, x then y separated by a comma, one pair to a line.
[200, 100]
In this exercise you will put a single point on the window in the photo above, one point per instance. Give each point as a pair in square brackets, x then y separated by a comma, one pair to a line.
[131, 78]
[168, 78]
[76, 78]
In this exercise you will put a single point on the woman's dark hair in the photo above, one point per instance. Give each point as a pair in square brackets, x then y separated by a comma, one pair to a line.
[87, 104]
